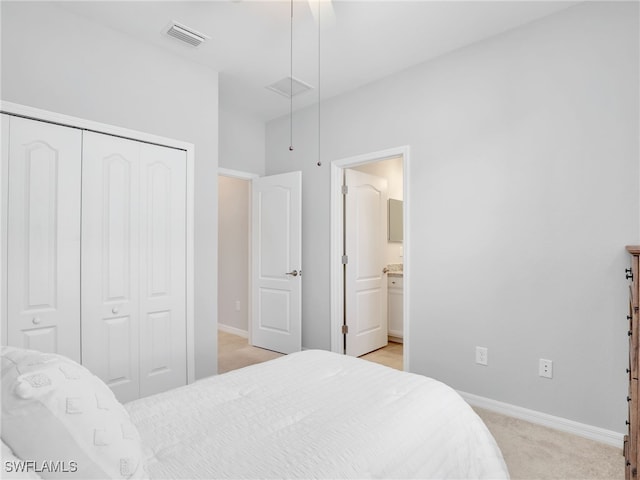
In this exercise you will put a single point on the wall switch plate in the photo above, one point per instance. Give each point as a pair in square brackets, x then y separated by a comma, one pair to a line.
[482, 355]
[545, 368]
[237, 305]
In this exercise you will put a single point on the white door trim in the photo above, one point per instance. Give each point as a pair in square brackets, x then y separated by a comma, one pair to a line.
[337, 281]
[69, 121]
[4, 212]
[227, 172]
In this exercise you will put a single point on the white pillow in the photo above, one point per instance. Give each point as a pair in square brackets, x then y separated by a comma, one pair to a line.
[65, 420]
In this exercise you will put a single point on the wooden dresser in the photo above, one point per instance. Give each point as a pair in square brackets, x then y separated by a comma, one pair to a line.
[632, 439]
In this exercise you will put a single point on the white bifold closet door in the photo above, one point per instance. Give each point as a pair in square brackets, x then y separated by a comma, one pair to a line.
[133, 264]
[43, 251]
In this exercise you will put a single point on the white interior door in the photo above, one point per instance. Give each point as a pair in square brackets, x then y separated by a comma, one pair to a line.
[365, 281]
[110, 273]
[43, 280]
[276, 319]
[163, 335]
[134, 265]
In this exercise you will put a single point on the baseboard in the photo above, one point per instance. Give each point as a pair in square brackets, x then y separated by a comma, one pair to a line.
[565, 425]
[233, 330]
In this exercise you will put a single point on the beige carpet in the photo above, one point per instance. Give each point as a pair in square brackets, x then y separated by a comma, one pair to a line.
[531, 451]
[536, 452]
[235, 352]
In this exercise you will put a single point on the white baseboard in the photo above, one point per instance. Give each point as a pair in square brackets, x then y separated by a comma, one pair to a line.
[233, 330]
[565, 425]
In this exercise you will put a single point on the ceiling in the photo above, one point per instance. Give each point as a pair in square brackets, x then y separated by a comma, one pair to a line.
[250, 40]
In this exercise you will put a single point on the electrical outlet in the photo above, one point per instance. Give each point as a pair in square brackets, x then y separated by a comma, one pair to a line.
[545, 368]
[482, 355]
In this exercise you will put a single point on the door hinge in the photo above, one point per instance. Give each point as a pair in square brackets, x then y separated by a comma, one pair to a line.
[345, 259]
[345, 329]
[345, 189]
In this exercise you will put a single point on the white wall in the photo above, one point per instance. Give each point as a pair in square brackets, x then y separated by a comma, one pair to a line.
[233, 252]
[242, 149]
[524, 192]
[55, 60]
[242, 140]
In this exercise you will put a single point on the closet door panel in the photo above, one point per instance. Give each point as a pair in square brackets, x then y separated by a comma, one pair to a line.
[110, 261]
[43, 261]
[162, 269]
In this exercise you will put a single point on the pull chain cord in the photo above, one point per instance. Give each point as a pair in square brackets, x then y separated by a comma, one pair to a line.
[291, 82]
[319, 29]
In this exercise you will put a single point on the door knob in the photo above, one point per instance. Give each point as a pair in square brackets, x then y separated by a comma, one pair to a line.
[115, 310]
[293, 273]
[36, 320]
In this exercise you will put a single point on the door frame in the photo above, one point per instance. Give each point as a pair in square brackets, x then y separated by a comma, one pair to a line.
[337, 236]
[242, 175]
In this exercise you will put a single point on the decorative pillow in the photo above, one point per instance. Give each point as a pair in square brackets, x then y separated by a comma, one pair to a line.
[65, 420]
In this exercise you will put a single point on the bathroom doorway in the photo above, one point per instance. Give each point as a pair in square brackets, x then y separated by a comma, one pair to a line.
[392, 166]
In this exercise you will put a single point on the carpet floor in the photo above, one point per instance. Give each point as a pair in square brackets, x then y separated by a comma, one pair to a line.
[235, 352]
[531, 452]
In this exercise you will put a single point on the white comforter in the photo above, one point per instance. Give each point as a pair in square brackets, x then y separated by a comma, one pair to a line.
[315, 414]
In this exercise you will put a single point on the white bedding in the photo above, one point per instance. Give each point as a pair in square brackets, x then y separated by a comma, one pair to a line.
[315, 414]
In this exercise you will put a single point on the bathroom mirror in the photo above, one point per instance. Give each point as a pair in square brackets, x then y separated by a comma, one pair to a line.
[395, 220]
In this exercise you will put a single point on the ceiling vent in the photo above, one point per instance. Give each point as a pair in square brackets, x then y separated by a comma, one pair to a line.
[185, 34]
[289, 87]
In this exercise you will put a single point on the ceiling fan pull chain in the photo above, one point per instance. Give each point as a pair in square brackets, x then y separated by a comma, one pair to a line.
[319, 29]
[291, 81]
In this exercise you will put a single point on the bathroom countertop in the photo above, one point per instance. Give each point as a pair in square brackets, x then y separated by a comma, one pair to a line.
[395, 269]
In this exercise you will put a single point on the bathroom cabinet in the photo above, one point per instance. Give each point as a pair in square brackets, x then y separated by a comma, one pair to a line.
[395, 306]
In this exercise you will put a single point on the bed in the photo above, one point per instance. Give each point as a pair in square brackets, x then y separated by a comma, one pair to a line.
[312, 414]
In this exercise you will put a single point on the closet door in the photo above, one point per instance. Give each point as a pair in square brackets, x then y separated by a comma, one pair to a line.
[133, 265]
[43, 223]
[110, 261]
[163, 336]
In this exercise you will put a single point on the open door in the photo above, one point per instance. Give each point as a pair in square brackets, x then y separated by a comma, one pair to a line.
[276, 319]
[365, 233]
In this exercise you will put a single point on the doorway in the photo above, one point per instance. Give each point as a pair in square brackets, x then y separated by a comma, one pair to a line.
[234, 223]
[234, 268]
[256, 321]
[392, 164]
